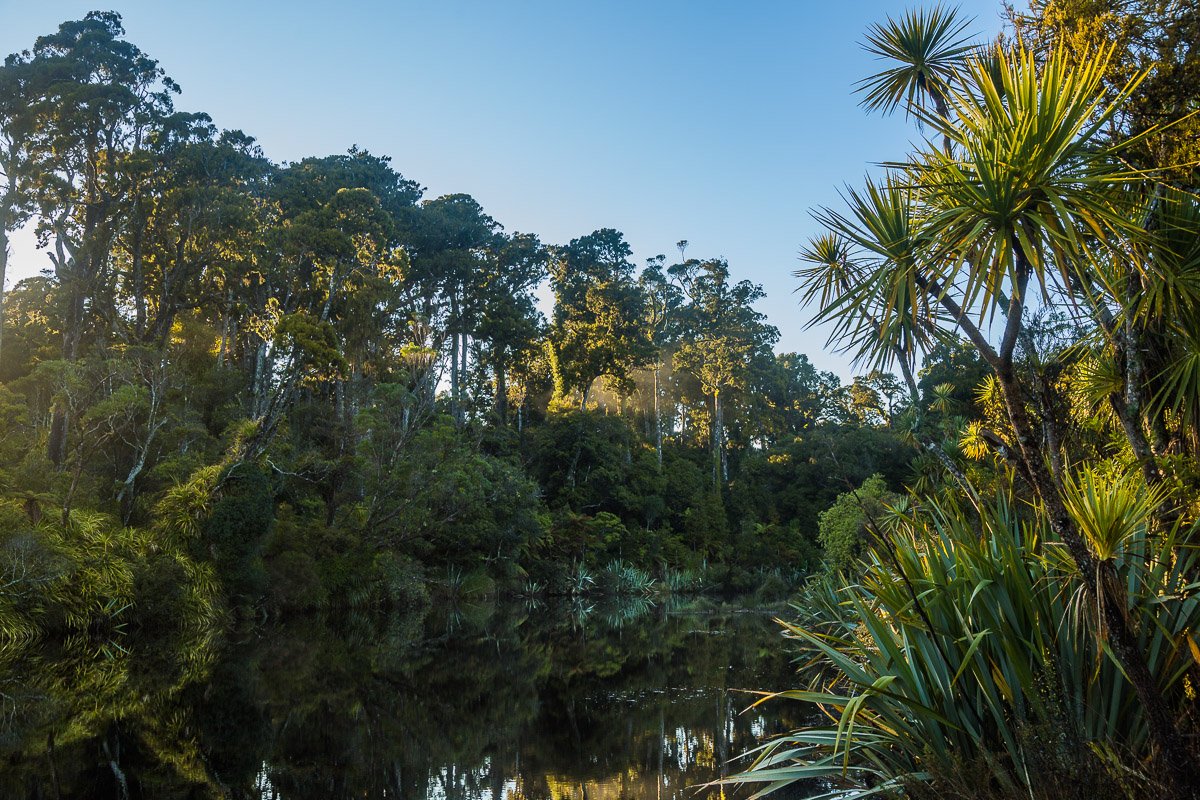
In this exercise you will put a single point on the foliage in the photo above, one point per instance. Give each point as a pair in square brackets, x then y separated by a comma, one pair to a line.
[1040, 646]
[846, 526]
[256, 389]
[962, 661]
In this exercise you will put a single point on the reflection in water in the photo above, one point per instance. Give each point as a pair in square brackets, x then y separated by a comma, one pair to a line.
[508, 702]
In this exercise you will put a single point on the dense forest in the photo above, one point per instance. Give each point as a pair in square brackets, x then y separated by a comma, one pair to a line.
[244, 390]
[250, 388]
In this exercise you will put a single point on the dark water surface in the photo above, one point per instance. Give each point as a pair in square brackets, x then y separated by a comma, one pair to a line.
[497, 702]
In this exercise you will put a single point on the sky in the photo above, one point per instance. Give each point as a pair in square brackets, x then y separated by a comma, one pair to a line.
[721, 123]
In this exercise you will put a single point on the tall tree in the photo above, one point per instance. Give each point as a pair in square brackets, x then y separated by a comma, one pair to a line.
[723, 335]
[330, 269]
[508, 320]
[450, 240]
[192, 228]
[16, 124]
[599, 313]
[663, 299]
[96, 98]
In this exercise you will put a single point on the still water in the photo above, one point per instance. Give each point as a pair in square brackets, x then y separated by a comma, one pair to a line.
[545, 701]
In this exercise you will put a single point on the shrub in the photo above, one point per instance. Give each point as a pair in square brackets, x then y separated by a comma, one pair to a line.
[962, 663]
[842, 528]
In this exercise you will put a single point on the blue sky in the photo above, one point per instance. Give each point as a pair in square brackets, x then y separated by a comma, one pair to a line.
[719, 123]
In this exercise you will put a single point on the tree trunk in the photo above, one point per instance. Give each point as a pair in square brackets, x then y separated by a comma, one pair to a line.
[657, 420]
[1127, 404]
[939, 105]
[260, 381]
[454, 356]
[462, 375]
[501, 392]
[138, 277]
[722, 450]
[340, 408]
[226, 331]
[128, 493]
[56, 445]
[718, 436]
[3, 275]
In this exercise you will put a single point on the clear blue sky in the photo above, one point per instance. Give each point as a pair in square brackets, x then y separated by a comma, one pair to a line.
[719, 123]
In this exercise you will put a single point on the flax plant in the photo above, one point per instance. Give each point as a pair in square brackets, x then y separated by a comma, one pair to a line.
[1001, 686]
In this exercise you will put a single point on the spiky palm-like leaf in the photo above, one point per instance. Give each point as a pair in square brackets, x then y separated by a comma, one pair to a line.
[1170, 288]
[870, 285]
[1000, 668]
[928, 46]
[1030, 177]
[1177, 387]
[1110, 509]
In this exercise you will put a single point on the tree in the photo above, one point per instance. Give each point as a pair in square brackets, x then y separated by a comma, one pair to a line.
[796, 396]
[925, 48]
[663, 299]
[16, 122]
[1157, 39]
[509, 322]
[94, 98]
[329, 271]
[192, 228]
[599, 313]
[1143, 297]
[723, 335]
[449, 243]
[846, 525]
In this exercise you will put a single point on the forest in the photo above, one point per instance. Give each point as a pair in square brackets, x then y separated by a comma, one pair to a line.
[245, 391]
[259, 388]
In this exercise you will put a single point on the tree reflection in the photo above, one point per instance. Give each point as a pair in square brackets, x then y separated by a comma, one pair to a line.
[504, 702]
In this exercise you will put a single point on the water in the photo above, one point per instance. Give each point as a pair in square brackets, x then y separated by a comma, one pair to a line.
[548, 701]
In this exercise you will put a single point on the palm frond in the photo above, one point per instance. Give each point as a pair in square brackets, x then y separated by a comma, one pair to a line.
[876, 302]
[928, 47]
[1030, 182]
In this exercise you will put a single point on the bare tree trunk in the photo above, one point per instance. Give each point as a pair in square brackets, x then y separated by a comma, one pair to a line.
[658, 438]
[3, 275]
[56, 445]
[226, 329]
[718, 450]
[260, 380]
[501, 392]
[1126, 341]
[462, 375]
[722, 450]
[138, 277]
[1129, 407]
[127, 495]
[339, 404]
[454, 356]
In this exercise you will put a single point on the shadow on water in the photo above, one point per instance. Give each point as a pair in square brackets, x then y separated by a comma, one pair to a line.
[495, 702]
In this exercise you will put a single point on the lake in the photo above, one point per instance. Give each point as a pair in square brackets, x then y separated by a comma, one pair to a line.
[512, 701]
